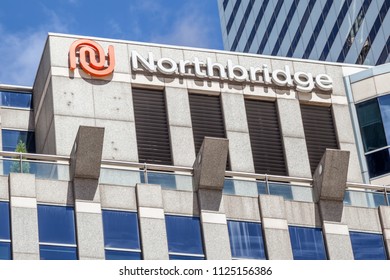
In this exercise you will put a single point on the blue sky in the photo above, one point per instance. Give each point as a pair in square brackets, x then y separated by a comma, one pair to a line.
[24, 25]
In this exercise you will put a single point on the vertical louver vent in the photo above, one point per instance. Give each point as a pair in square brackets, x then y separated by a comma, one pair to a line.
[319, 132]
[151, 127]
[207, 119]
[266, 141]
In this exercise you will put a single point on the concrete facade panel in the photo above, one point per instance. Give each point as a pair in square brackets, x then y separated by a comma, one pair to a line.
[382, 83]
[118, 197]
[178, 107]
[180, 202]
[154, 239]
[242, 208]
[216, 241]
[234, 112]
[302, 214]
[90, 239]
[63, 194]
[363, 90]
[362, 219]
[182, 145]
[112, 101]
[17, 119]
[240, 152]
[120, 141]
[297, 158]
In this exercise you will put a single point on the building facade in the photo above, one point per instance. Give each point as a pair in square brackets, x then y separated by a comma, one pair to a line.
[125, 150]
[339, 31]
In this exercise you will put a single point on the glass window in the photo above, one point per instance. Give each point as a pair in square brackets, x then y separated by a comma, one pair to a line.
[5, 250]
[5, 233]
[307, 243]
[15, 99]
[56, 224]
[246, 240]
[367, 246]
[122, 255]
[11, 138]
[371, 125]
[51, 252]
[384, 104]
[184, 236]
[4, 221]
[121, 232]
[57, 236]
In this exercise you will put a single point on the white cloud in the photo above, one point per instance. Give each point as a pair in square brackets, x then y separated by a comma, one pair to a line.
[191, 28]
[21, 52]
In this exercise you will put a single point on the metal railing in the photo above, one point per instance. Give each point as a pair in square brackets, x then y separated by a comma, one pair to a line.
[126, 173]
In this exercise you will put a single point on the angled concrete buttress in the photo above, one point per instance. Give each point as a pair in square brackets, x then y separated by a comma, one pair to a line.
[329, 183]
[84, 167]
[209, 176]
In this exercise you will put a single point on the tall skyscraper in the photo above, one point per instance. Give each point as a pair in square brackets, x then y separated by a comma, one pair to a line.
[338, 31]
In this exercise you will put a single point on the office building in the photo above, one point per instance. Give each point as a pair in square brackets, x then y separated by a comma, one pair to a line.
[338, 31]
[129, 150]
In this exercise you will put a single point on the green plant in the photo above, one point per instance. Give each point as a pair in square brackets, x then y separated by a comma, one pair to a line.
[15, 167]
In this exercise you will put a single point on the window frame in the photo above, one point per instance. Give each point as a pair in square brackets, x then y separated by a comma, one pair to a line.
[196, 256]
[117, 249]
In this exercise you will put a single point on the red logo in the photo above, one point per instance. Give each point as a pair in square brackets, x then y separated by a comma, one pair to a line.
[92, 58]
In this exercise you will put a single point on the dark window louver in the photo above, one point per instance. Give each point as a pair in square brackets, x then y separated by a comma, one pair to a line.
[151, 127]
[319, 132]
[207, 119]
[266, 141]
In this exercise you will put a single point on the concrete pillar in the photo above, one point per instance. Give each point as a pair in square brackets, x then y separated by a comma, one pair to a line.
[295, 149]
[85, 171]
[236, 125]
[24, 217]
[180, 126]
[344, 130]
[274, 221]
[329, 183]
[209, 176]
[152, 222]
[384, 214]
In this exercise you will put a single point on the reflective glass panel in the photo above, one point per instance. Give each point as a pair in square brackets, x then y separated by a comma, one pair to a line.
[120, 229]
[4, 221]
[15, 99]
[384, 104]
[246, 240]
[5, 251]
[122, 255]
[184, 235]
[378, 163]
[48, 252]
[307, 243]
[367, 246]
[371, 126]
[56, 224]
[11, 138]
[181, 257]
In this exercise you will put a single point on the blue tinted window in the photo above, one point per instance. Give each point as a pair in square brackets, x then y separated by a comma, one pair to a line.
[121, 229]
[378, 163]
[11, 138]
[5, 251]
[367, 246]
[307, 243]
[56, 224]
[181, 257]
[246, 240]
[122, 255]
[48, 252]
[184, 235]
[384, 104]
[15, 99]
[4, 221]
